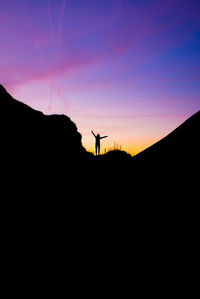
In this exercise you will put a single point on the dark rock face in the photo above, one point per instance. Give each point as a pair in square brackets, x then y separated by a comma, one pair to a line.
[38, 137]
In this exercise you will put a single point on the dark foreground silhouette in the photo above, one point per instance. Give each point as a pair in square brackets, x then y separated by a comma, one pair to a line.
[43, 161]
[178, 149]
[60, 203]
[155, 211]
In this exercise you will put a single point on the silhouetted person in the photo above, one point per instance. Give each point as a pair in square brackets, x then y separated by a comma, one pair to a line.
[97, 142]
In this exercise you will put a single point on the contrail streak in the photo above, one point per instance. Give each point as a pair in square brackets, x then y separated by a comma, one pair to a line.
[53, 39]
[51, 88]
[56, 36]
[38, 48]
[51, 27]
[63, 99]
[59, 36]
[59, 40]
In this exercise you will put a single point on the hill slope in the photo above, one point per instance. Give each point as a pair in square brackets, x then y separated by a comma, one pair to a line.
[30, 134]
[179, 147]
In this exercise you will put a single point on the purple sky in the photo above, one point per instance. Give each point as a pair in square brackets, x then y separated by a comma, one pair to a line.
[129, 69]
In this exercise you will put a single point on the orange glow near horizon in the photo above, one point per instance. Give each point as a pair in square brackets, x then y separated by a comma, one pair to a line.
[130, 147]
[134, 141]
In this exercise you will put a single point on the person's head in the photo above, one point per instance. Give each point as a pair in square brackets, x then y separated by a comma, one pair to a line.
[98, 136]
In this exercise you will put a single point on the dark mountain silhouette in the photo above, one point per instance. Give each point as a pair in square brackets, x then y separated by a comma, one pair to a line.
[155, 211]
[29, 134]
[33, 135]
[45, 164]
[43, 157]
[178, 149]
[115, 156]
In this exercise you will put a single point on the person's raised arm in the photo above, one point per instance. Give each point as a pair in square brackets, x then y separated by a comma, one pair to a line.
[93, 133]
[103, 137]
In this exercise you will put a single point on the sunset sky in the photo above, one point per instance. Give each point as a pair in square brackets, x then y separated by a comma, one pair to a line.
[129, 69]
